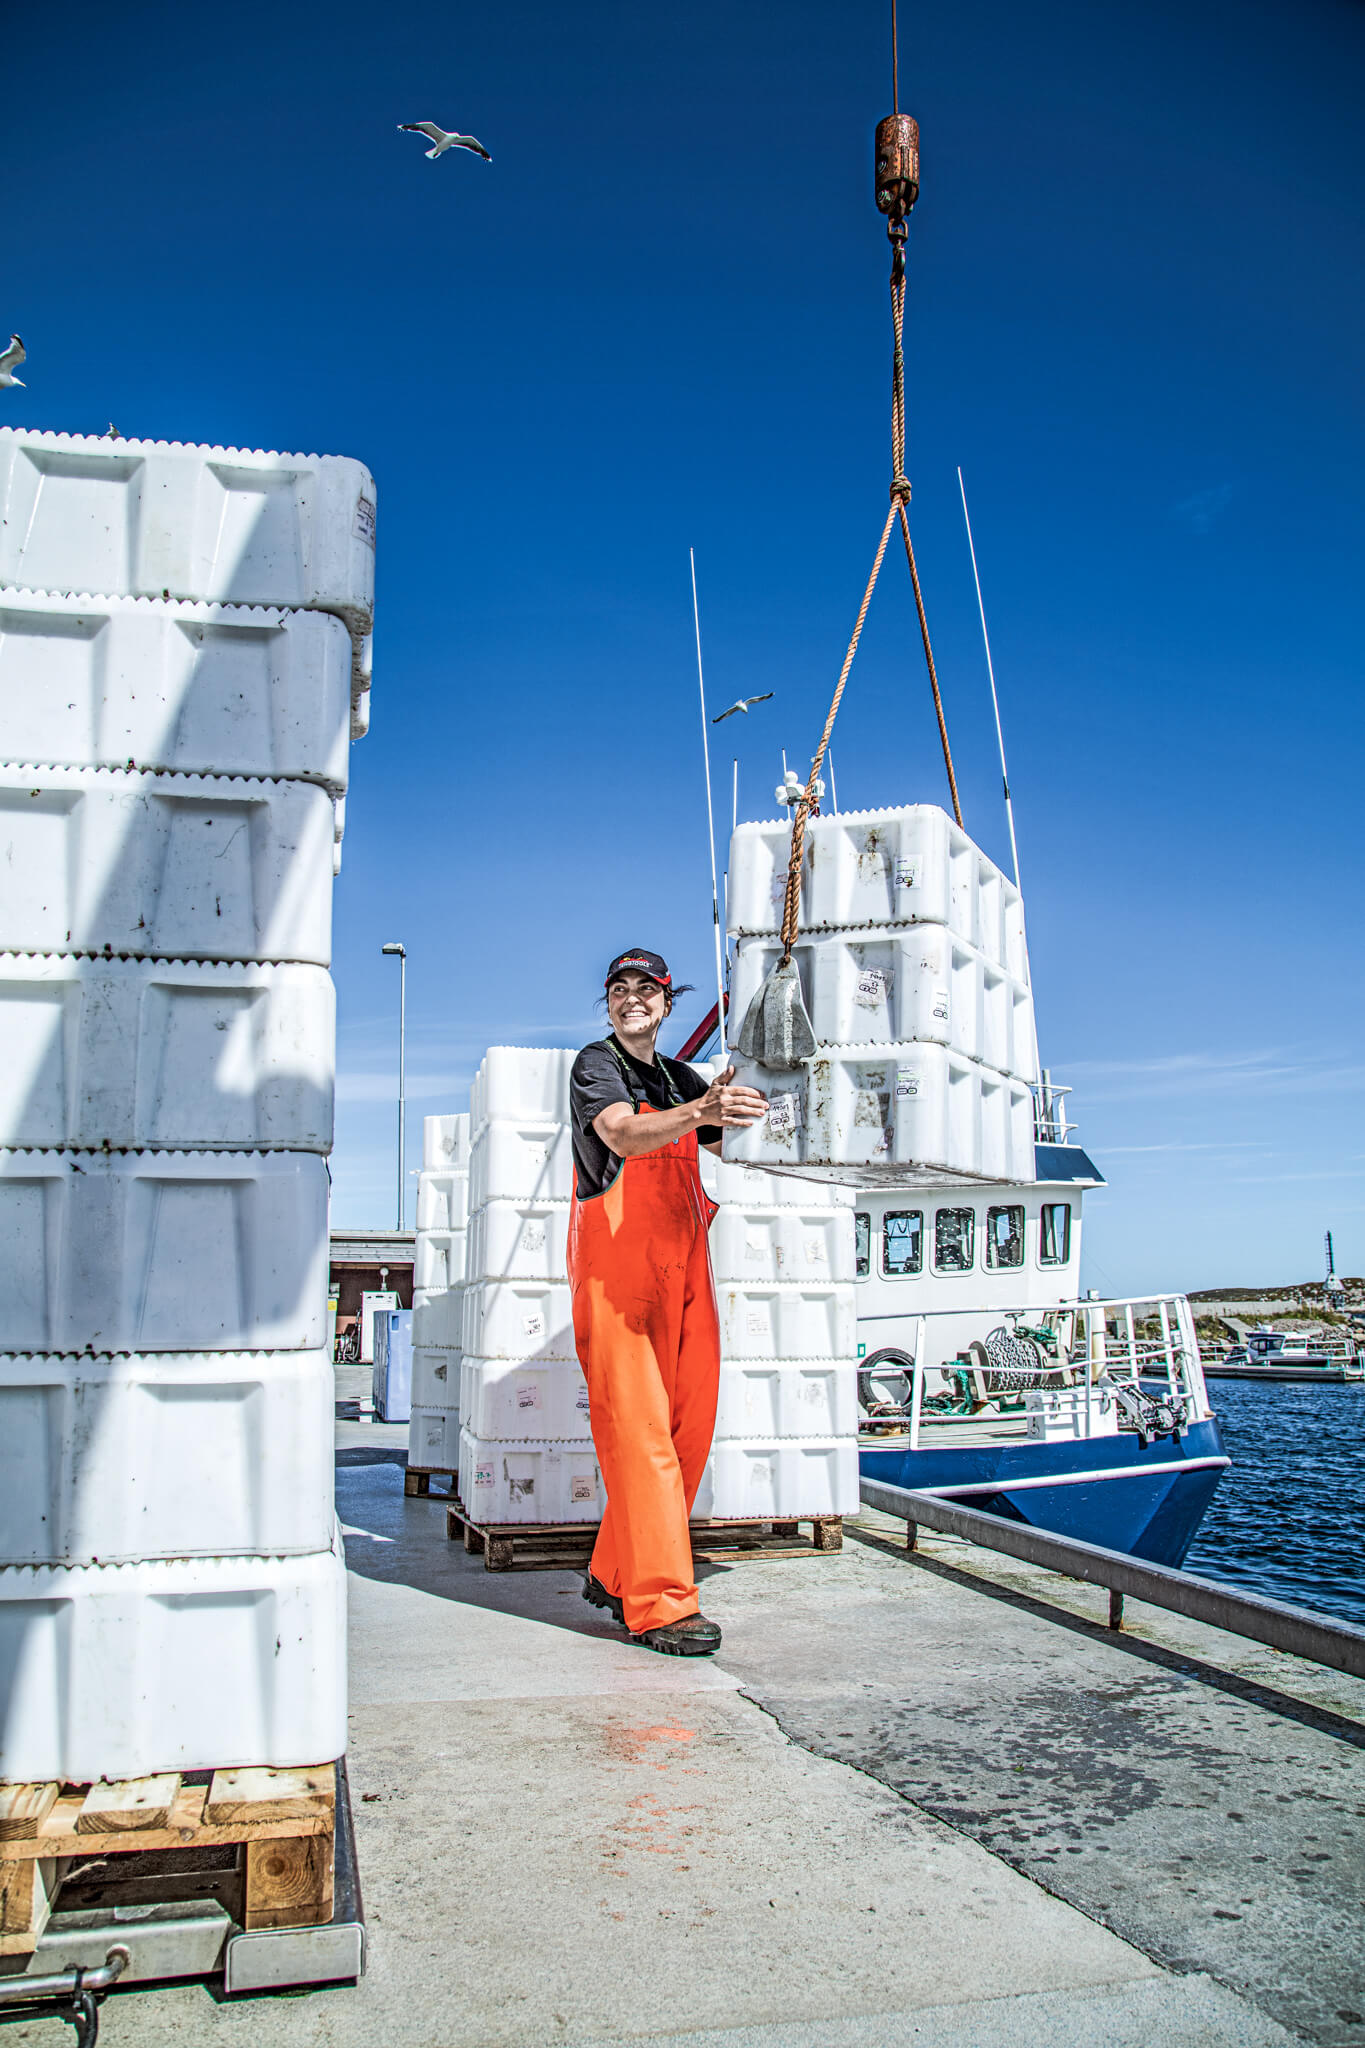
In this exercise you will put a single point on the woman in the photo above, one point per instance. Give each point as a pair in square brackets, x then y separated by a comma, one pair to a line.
[644, 1304]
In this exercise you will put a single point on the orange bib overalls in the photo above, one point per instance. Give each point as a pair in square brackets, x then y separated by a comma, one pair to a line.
[648, 1340]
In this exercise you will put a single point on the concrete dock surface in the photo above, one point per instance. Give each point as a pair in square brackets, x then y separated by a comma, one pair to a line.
[928, 1801]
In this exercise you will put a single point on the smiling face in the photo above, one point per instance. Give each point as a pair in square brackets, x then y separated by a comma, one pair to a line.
[636, 1006]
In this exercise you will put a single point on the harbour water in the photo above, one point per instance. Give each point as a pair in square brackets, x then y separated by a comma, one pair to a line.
[1288, 1520]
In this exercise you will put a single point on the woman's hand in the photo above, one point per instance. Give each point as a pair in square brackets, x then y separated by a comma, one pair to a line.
[733, 1108]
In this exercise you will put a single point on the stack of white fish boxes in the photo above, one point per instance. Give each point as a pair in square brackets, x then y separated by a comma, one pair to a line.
[782, 1252]
[914, 970]
[184, 638]
[438, 1286]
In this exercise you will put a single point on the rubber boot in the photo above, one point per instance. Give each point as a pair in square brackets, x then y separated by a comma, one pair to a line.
[693, 1636]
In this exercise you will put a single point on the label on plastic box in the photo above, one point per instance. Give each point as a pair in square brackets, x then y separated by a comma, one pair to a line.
[907, 1082]
[815, 1251]
[528, 1396]
[533, 1324]
[753, 1248]
[483, 1475]
[581, 1401]
[784, 1114]
[364, 521]
[755, 1324]
[940, 1009]
[436, 1432]
[581, 1488]
[870, 990]
[909, 871]
[533, 1237]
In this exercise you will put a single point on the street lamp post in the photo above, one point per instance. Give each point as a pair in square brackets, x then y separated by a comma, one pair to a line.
[394, 947]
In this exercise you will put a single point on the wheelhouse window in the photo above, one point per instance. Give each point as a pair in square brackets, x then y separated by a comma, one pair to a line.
[902, 1242]
[862, 1243]
[1054, 1237]
[954, 1240]
[1005, 1237]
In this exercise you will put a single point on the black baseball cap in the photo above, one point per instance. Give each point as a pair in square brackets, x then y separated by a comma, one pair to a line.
[637, 960]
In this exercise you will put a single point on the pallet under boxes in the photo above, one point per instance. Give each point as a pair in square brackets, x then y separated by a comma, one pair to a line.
[566, 1546]
[251, 1870]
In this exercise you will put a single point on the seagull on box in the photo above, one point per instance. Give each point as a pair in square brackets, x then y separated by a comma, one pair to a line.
[742, 704]
[442, 140]
[10, 361]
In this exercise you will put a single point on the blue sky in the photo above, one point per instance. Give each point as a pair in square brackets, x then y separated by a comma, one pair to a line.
[659, 320]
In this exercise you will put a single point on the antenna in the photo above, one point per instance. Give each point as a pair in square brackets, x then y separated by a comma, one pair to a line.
[710, 816]
[990, 670]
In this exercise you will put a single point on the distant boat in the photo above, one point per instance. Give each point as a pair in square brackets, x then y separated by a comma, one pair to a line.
[1282, 1355]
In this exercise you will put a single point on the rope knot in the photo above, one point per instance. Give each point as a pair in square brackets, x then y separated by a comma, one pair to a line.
[900, 489]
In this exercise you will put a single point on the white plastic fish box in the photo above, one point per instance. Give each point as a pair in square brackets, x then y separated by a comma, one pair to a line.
[163, 1251]
[438, 1318]
[445, 1143]
[182, 1454]
[523, 1319]
[788, 1480]
[753, 1246]
[782, 1320]
[178, 1053]
[787, 1400]
[165, 866]
[442, 1201]
[747, 1187]
[891, 987]
[121, 1670]
[521, 1162]
[434, 1439]
[439, 1259]
[504, 1399]
[503, 1481]
[522, 1084]
[889, 1116]
[435, 1377]
[82, 513]
[909, 865]
[519, 1241]
[196, 688]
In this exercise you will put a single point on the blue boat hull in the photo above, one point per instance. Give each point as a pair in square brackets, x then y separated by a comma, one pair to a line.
[1149, 1501]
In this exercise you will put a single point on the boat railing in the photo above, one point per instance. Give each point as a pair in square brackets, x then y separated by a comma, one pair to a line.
[1113, 1347]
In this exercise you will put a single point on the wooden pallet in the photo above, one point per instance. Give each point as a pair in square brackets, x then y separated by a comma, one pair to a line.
[285, 1822]
[567, 1546]
[417, 1484]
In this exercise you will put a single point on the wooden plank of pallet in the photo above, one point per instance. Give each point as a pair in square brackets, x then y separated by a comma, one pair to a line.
[26, 1890]
[24, 1808]
[261, 1795]
[289, 1883]
[187, 1828]
[130, 1804]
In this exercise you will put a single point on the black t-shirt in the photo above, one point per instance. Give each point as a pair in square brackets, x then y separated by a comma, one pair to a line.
[597, 1081]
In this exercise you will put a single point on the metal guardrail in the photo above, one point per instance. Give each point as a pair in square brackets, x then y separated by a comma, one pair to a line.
[1291, 1629]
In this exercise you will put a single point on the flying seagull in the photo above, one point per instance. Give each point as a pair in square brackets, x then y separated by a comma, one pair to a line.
[742, 704]
[443, 140]
[9, 363]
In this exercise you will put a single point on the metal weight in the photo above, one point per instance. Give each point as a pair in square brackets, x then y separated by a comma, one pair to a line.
[897, 165]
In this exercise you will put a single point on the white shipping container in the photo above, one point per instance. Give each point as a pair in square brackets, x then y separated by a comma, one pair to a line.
[84, 513]
[433, 1439]
[521, 1162]
[443, 1200]
[187, 1454]
[521, 1084]
[519, 1241]
[440, 1260]
[787, 1400]
[165, 866]
[163, 1251]
[786, 1321]
[438, 1318]
[890, 1115]
[435, 1377]
[893, 986]
[507, 1400]
[505, 1482]
[445, 1143]
[762, 1480]
[178, 1053]
[753, 1245]
[198, 689]
[908, 865]
[122, 1670]
[747, 1187]
[522, 1319]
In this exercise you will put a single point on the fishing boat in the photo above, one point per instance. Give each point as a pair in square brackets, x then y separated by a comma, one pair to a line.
[1284, 1355]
